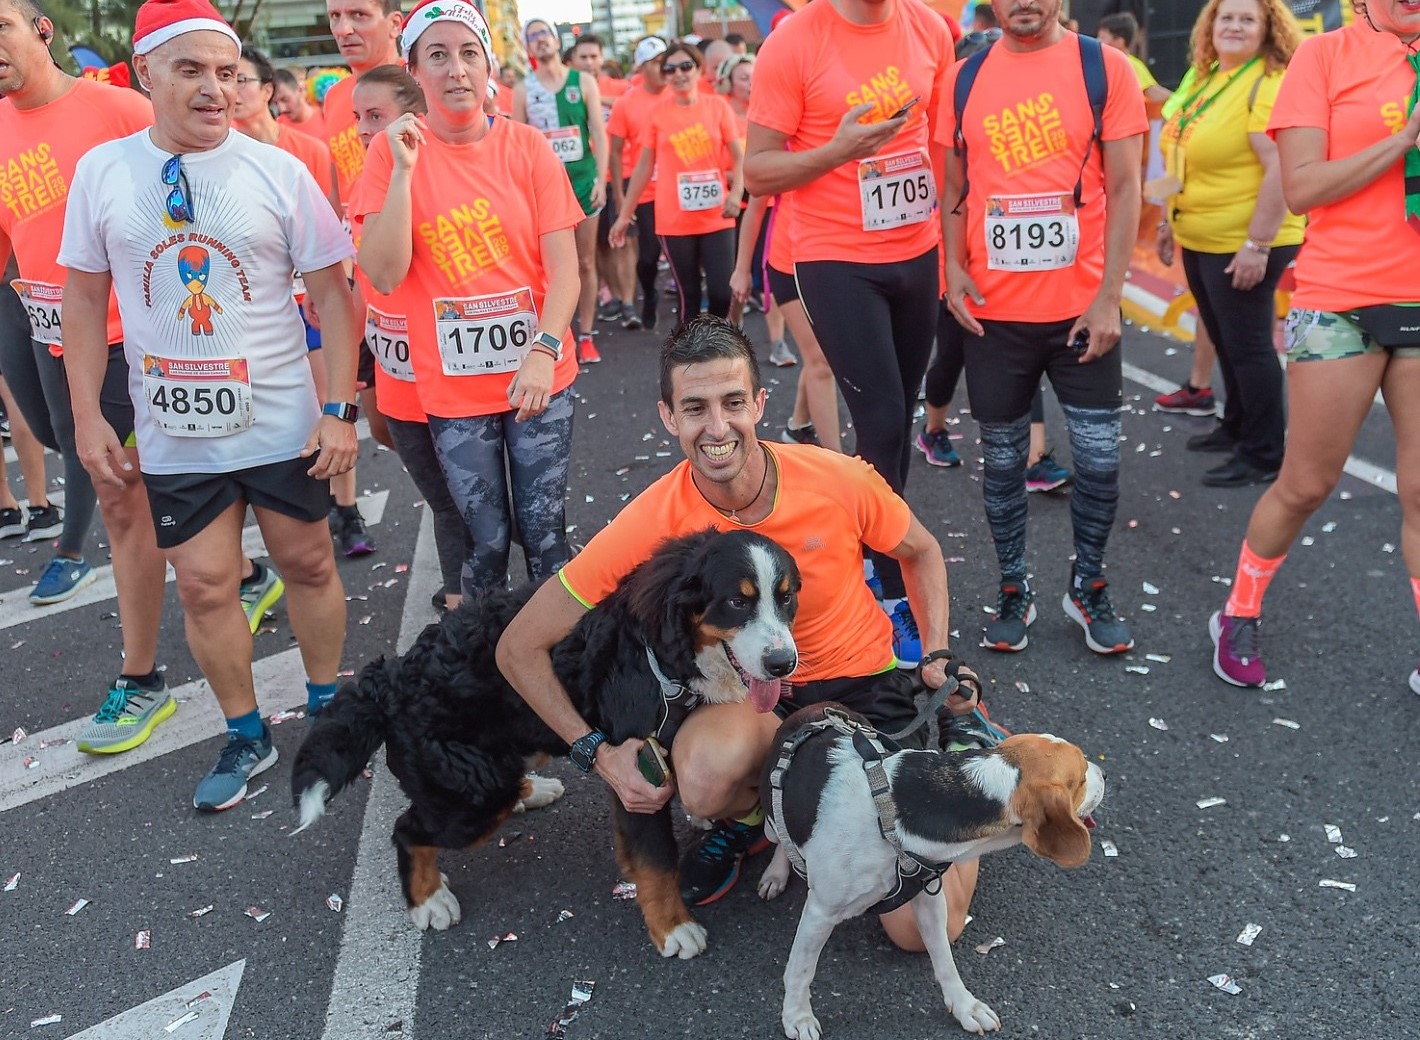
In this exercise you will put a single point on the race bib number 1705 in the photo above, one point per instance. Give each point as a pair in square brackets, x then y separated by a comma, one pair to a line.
[896, 190]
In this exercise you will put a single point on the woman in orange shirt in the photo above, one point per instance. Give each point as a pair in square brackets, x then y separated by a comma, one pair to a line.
[684, 141]
[467, 221]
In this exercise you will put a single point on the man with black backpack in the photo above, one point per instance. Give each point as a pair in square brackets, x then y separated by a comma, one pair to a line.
[1039, 215]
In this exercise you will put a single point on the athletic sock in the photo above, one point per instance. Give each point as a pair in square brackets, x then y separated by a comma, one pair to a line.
[245, 727]
[150, 681]
[753, 819]
[1415, 591]
[318, 695]
[1250, 583]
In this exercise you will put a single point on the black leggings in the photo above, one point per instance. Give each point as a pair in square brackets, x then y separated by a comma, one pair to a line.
[875, 323]
[689, 255]
[648, 253]
[415, 445]
[1240, 323]
[948, 361]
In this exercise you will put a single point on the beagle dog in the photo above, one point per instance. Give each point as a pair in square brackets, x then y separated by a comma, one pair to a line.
[825, 809]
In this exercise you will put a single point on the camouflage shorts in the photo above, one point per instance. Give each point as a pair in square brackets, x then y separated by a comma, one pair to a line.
[1327, 336]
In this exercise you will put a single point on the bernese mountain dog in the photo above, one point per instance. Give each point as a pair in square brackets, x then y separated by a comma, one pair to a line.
[706, 619]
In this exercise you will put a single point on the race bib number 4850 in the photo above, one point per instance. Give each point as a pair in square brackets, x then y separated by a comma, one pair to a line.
[44, 304]
[483, 334]
[198, 397]
[1031, 232]
[896, 190]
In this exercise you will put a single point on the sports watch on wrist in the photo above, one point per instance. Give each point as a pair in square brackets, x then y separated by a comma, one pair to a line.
[583, 751]
[550, 343]
[342, 410]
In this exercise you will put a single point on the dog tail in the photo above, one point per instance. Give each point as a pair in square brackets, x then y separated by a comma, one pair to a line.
[345, 735]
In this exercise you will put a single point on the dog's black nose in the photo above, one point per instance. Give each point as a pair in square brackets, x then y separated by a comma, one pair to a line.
[780, 663]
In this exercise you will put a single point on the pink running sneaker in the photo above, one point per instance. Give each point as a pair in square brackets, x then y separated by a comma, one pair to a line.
[1237, 649]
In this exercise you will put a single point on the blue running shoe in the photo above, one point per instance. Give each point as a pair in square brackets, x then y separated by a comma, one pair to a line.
[240, 760]
[906, 640]
[874, 583]
[937, 446]
[60, 580]
[1047, 475]
[711, 866]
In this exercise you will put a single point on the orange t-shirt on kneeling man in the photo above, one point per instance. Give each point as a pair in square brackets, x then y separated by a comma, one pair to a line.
[827, 507]
[479, 212]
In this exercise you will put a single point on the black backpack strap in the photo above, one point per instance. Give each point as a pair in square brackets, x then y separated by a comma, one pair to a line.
[1097, 87]
[960, 91]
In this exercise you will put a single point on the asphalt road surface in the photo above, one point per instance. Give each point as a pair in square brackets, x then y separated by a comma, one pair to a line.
[1122, 947]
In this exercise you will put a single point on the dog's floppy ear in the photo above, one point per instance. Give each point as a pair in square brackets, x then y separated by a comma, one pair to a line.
[1052, 829]
[665, 592]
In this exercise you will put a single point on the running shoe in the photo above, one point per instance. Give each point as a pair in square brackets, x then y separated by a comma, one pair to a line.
[240, 760]
[1089, 607]
[587, 353]
[45, 522]
[1188, 400]
[1237, 649]
[974, 730]
[127, 718]
[937, 446]
[1015, 612]
[4, 427]
[711, 866]
[648, 312]
[609, 311]
[629, 318]
[906, 639]
[348, 527]
[259, 594]
[780, 356]
[805, 434]
[12, 523]
[1219, 441]
[1415, 681]
[1047, 475]
[874, 583]
[60, 580]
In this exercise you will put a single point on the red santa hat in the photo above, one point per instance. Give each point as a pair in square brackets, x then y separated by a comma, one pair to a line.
[428, 12]
[159, 21]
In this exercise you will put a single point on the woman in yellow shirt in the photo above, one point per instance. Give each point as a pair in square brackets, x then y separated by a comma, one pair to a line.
[1226, 214]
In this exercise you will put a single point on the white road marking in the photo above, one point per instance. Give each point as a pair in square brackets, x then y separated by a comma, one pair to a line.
[377, 973]
[16, 608]
[1358, 468]
[152, 1018]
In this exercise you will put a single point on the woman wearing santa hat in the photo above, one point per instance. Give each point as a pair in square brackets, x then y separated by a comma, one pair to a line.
[468, 221]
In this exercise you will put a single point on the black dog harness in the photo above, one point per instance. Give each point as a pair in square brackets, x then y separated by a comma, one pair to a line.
[677, 701]
[914, 874]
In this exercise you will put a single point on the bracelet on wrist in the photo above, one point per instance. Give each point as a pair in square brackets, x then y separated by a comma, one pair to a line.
[1257, 247]
[544, 350]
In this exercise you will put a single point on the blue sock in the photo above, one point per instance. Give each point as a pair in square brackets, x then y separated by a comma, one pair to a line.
[318, 695]
[246, 727]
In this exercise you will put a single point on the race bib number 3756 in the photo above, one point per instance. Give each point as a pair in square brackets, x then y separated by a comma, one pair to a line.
[483, 334]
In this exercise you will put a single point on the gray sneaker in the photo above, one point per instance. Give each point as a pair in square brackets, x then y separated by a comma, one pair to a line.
[780, 356]
[1015, 612]
[259, 596]
[240, 760]
[128, 717]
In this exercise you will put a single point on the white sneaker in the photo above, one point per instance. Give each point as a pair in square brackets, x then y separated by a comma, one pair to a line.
[780, 356]
[1415, 680]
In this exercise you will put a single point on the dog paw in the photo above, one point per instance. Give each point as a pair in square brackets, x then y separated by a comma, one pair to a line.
[974, 1016]
[802, 1025]
[440, 911]
[542, 791]
[775, 877]
[685, 941]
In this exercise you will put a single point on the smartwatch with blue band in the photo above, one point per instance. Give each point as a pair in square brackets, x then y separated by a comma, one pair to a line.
[342, 410]
[583, 751]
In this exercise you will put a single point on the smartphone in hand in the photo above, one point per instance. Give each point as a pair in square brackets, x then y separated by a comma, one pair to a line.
[905, 108]
[652, 762]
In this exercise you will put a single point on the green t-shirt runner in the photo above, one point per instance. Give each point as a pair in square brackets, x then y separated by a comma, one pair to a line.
[562, 116]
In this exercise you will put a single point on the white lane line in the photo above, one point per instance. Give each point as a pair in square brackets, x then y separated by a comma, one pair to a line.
[208, 1000]
[377, 972]
[1369, 472]
[16, 609]
[280, 684]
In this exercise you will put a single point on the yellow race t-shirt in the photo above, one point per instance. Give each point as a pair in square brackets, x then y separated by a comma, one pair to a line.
[1205, 144]
[826, 508]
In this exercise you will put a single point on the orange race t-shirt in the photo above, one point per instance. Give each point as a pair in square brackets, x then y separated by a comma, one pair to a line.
[627, 120]
[342, 134]
[314, 126]
[39, 149]
[689, 143]
[780, 252]
[386, 332]
[814, 68]
[611, 88]
[314, 156]
[1027, 123]
[476, 281]
[1355, 84]
[828, 506]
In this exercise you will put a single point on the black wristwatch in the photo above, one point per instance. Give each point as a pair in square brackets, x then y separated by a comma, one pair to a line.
[583, 751]
[342, 410]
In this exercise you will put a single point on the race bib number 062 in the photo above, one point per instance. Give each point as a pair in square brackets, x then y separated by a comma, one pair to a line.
[485, 334]
[1031, 232]
[896, 190]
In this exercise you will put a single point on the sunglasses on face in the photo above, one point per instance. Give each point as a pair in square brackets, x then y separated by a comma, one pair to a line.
[539, 34]
[679, 66]
[179, 200]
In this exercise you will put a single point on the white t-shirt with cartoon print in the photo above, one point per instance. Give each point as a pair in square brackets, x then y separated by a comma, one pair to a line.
[215, 344]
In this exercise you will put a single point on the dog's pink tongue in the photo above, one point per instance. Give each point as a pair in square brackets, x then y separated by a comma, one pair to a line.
[1089, 822]
[764, 693]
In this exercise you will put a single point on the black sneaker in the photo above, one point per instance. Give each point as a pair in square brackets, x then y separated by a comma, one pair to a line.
[1015, 612]
[45, 522]
[711, 866]
[1090, 608]
[629, 318]
[352, 538]
[648, 312]
[805, 434]
[1219, 440]
[609, 311]
[12, 523]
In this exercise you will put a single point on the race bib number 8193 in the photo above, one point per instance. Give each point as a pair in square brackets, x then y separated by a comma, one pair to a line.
[1031, 232]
